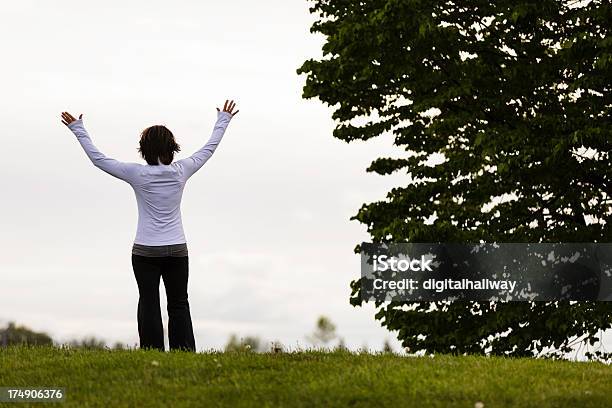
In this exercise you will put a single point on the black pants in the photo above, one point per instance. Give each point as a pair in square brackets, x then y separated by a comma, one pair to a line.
[175, 272]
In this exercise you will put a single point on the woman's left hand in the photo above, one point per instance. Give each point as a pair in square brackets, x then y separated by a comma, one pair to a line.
[68, 118]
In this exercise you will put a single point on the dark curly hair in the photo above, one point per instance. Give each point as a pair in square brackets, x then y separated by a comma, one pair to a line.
[157, 142]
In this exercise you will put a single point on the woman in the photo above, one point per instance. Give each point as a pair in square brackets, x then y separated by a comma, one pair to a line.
[160, 247]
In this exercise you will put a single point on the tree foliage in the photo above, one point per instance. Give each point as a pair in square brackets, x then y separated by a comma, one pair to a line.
[90, 343]
[325, 331]
[501, 113]
[14, 335]
[246, 344]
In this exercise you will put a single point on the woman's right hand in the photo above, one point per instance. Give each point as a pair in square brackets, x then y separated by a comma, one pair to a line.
[229, 107]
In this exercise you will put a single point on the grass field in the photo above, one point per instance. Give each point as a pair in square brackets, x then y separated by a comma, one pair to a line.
[302, 379]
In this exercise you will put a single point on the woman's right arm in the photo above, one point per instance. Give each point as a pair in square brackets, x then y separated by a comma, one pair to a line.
[193, 163]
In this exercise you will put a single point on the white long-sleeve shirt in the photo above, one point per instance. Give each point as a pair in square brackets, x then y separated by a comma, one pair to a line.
[159, 188]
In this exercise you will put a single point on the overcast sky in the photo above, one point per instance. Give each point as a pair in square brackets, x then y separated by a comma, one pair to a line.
[266, 219]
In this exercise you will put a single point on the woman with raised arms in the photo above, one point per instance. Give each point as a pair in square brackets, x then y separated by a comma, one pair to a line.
[160, 247]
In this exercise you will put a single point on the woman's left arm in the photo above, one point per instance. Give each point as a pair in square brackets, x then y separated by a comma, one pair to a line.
[121, 170]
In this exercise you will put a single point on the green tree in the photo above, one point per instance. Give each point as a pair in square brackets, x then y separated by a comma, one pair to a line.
[14, 334]
[90, 343]
[248, 344]
[387, 348]
[325, 331]
[501, 115]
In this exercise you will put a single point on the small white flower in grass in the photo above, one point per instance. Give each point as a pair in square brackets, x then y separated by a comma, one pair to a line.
[155, 363]
[478, 404]
[217, 363]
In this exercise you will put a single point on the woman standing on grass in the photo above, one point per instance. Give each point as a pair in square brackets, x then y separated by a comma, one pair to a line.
[160, 247]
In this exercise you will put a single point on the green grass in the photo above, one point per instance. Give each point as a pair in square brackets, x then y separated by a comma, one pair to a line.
[149, 379]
